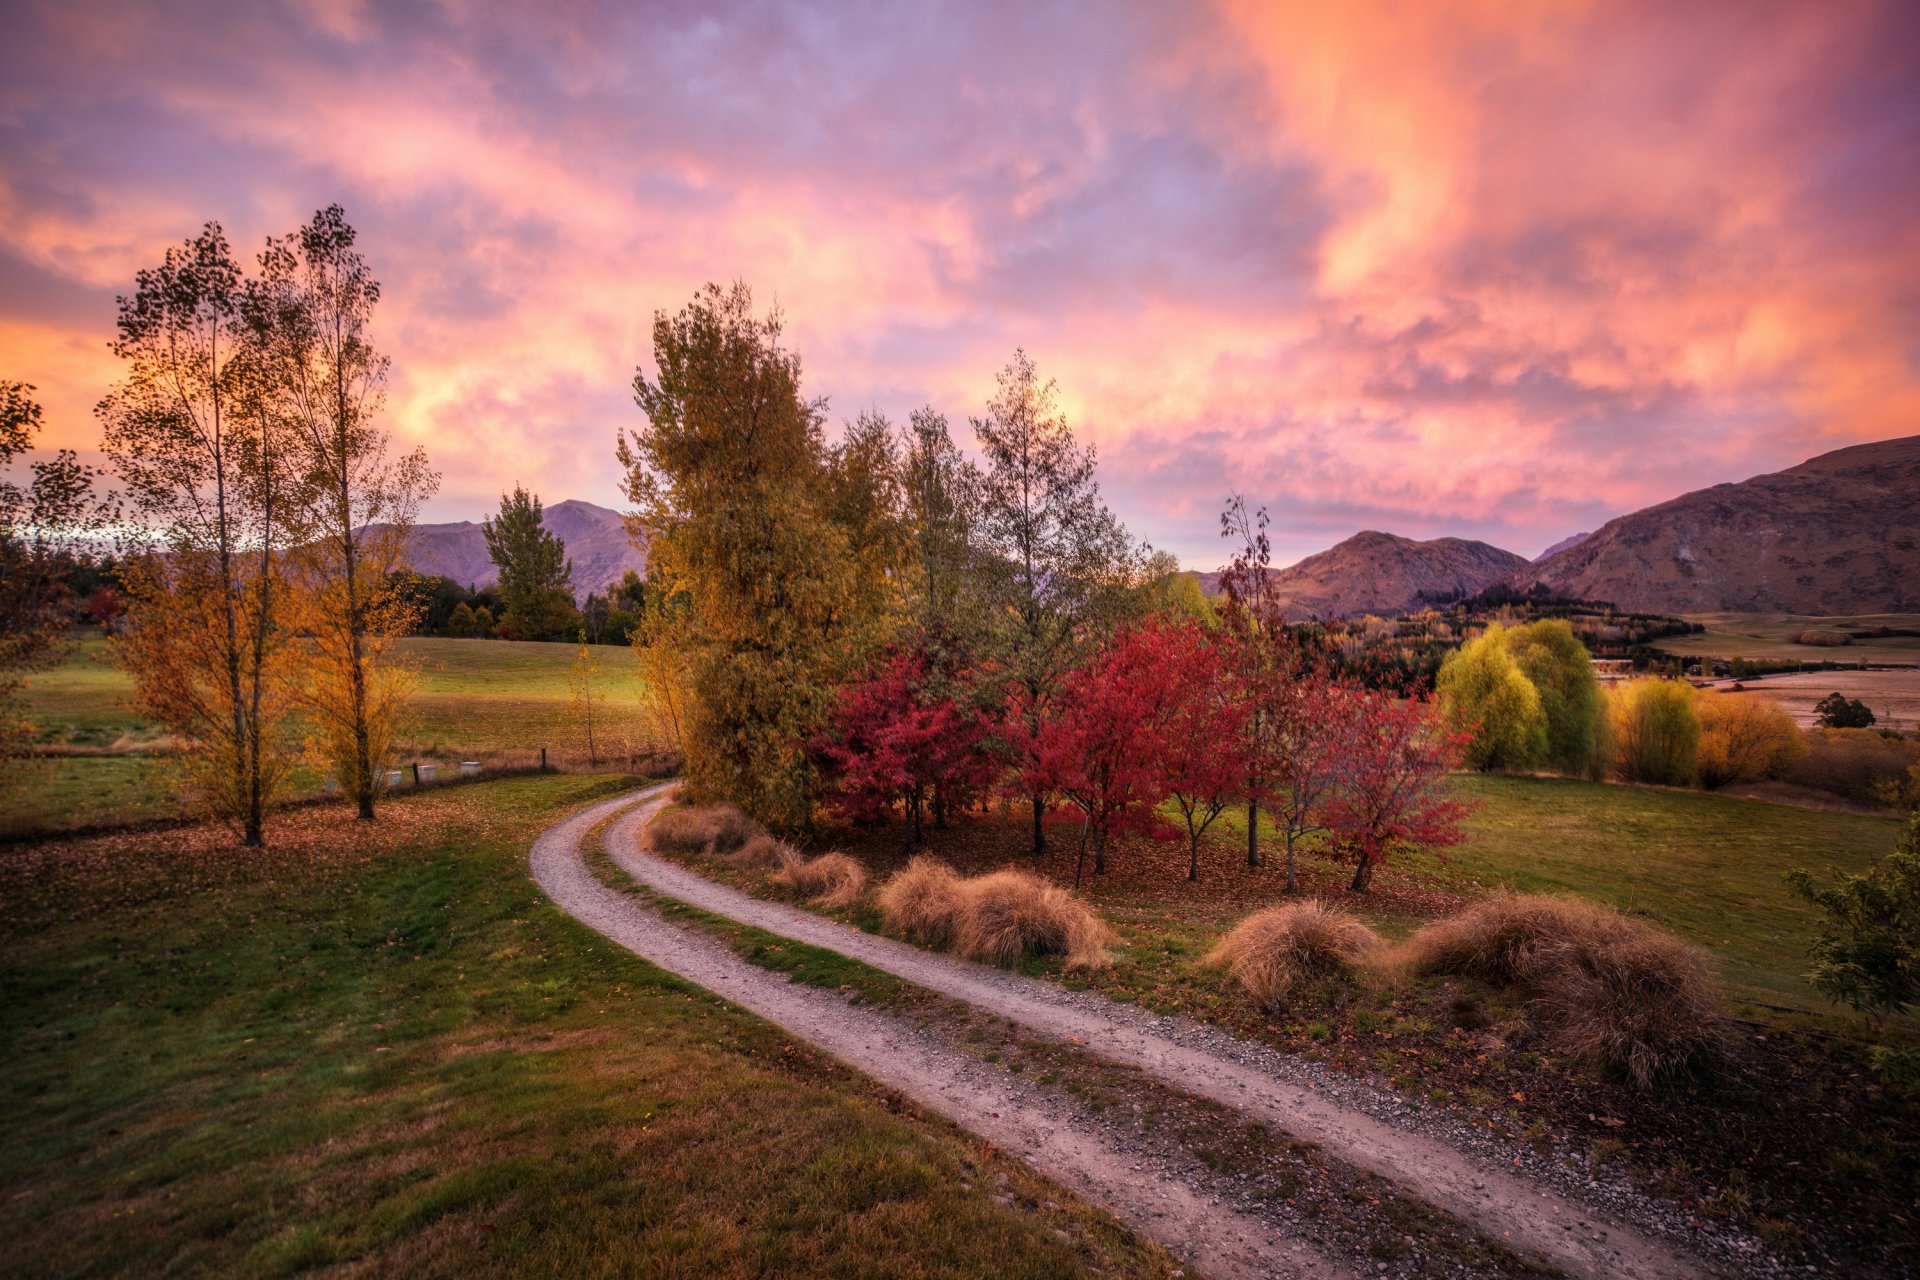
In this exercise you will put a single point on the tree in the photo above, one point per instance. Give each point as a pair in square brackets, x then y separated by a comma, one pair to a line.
[729, 477]
[940, 492]
[535, 574]
[1560, 669]
[314, 308]
[1311, 716]
[1744, 738]
[1052, 552]
[586, 700]
[461, 623]
[1655, 732]
[1487, 697]
[1198, 750]
[1868, 949]
[1255, 621]
[1102, 747]
[193, 436]
[41, 522]
[902, 736]
[1837, 711]
[1389, 792]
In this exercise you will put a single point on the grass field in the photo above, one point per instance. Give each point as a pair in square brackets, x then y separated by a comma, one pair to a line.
[381, 1050]
[471, 697]
[1770, 637]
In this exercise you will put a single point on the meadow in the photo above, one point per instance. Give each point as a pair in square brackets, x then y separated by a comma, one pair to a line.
[1770, 637]
[382, 1049]
[499, 700]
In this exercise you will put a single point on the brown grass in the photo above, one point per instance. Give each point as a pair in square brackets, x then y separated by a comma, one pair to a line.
[713, 828]
[1273, 951]
[1616, 991]
[1010, 915]
[923, 903]
[832, 879]
[762, 853]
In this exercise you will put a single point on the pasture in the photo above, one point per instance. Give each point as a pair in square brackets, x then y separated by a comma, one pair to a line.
[382, 1050]
[499, 700]
[1770, 637]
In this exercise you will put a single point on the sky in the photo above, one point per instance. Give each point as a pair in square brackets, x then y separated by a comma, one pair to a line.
[1499, 271]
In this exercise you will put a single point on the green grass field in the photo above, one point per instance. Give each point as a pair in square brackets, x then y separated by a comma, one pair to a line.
[382, 1050]
[1770, 637]
[471, 697]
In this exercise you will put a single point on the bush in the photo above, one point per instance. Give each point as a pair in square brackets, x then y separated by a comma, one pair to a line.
[714, 828]
[1868, 949]
[1744, 738]
[1612, 990]
[1011, 915]
[1655, 732]
[1271, 952]
[1856, 763]
[763, 853]
[1824, 639]
[923, 903]
[832, 879]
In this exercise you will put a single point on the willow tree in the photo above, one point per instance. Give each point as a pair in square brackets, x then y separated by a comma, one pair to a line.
[189, 432]
[315, 306]
[732, 484]
[1052, 555]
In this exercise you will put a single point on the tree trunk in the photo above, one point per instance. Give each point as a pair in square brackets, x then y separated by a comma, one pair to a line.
[1039, 827]
[1099, 851]
[1292, 885]
[1193, 858]
[1362, 875]
[1253, 833]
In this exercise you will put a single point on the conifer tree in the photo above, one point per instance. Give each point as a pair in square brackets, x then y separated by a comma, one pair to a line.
[535, 574]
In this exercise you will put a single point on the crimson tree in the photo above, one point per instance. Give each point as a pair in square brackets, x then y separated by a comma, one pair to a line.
[1388, 793]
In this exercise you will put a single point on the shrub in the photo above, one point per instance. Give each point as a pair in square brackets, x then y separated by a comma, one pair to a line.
[832, 879]
[1010, 915]
[763, 853]
[1612, 990]
[1273, 951]
[1744, 738]
[1868, 949]
[1857, 763]
[714, 828]
[1655, 732]
[1824, 639]
[923, 903]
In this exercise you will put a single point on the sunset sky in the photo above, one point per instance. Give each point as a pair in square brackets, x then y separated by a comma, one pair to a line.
[1494, 270]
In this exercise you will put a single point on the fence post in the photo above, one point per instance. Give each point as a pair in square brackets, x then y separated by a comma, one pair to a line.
[416, 775]
[543, 759]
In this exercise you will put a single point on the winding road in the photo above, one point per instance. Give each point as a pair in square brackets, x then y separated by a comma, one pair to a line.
[1199, 1061]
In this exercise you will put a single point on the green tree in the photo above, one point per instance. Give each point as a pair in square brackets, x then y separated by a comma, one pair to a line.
[731, 480]
[1838, 711]
[460, 622]
[1655, 732]
[1054, 558]
[1551, 656]
[1484, 694]
[534, 570]
[940, 494]
[1867, 953]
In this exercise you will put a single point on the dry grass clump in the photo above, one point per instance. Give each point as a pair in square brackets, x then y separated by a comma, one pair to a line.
[762, 853]
[713, 828]
[1272, 951]
[1613, 990]
[832, 879]
[923, 903]
[1010, 915]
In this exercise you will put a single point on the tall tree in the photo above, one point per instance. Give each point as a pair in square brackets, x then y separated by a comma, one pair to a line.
[535, 574]
[190, 432]
[1485, 695]
[940, 493]
[1550, 655]
[1269, 661]
[41, 523]
[315, 306]
[729, 476]
[1053, 555]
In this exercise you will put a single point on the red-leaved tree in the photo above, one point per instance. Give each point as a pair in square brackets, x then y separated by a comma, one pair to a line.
[902, 736]
[1389, 788]
[1100, 746]
[1200, 746]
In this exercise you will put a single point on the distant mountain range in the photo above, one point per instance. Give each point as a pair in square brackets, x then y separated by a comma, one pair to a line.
[1837, 534]
[596, 541]
[1383, 573]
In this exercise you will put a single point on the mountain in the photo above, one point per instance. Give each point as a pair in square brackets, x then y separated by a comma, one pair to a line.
[1837, 534]
[1386, 574]
[596, 543]
[1572, 540]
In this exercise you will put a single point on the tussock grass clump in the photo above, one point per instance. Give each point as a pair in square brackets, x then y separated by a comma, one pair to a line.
[1273, 951]
[1616, 991]
[1010, 915]
[832, 879]
[923, 903]
[762, 853]
[713, 828]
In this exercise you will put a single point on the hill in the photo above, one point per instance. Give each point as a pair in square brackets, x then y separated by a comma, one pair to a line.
[1383, 573]
[1838, 534]
[595, 536]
